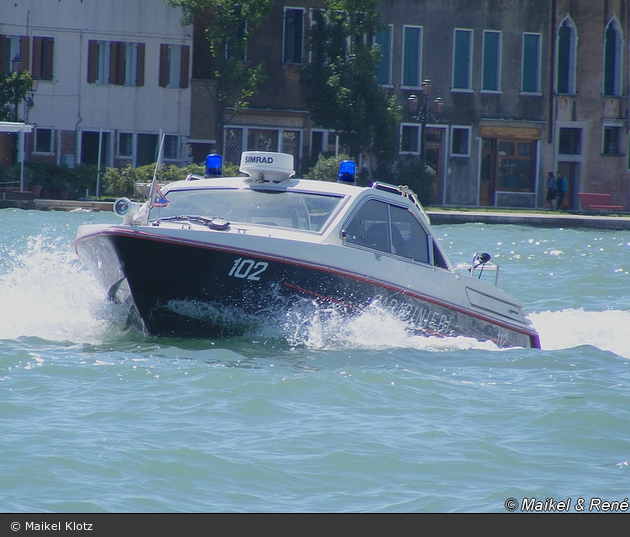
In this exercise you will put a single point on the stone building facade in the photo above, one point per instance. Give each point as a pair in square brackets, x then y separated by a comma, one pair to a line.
[527, 87]
[486, 59]
[588, 88]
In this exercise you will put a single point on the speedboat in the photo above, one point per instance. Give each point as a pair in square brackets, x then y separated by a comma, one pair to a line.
[214, 256]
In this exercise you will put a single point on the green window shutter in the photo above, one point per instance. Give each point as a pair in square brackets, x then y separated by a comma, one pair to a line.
[382, 69]
[531, 44]
[461, 67]
[411, 57]
[491, 58]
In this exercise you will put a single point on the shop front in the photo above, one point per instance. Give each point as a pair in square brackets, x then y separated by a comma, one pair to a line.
[508, 170]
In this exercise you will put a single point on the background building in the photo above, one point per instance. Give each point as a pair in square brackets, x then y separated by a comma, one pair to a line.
[527, 87]
[276, 118]
[588, 90]
[488, 61]
[112, 75]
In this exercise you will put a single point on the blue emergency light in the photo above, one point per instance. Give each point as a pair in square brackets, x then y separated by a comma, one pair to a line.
[347, 172]
[214, 165]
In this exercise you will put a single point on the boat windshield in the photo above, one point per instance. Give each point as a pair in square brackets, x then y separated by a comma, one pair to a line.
[305, 211]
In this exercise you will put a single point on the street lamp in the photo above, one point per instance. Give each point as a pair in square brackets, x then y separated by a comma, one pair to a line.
[30, 96]
[28, 100]
[423, 114]
[16, 64]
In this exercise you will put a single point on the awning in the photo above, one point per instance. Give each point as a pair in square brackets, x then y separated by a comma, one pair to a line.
[12, 126]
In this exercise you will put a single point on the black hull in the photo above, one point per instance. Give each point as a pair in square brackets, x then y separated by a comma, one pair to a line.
[182, 289]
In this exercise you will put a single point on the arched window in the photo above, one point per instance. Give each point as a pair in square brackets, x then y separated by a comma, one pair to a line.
[612, 59]
[566, 52]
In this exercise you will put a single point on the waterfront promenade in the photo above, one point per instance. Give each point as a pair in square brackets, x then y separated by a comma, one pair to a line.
[437, 215]
[530, 218]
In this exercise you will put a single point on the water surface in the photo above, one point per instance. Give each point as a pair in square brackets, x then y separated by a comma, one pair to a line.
[333, 415]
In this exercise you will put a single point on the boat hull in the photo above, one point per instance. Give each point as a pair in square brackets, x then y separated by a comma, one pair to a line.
[182, 288]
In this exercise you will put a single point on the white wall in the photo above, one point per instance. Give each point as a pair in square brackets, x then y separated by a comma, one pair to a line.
[69, 102]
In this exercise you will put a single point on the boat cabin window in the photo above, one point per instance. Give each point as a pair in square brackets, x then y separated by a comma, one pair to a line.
[390, 229]
[279, 208]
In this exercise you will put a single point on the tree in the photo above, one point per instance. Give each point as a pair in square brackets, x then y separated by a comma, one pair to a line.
[13, 89]
[340, 84]
[228, 27]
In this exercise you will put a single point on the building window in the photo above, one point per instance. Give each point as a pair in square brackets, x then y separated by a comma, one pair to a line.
[612, 137]
[291, 143]
[412, 56]
[42, 58]
[98, 62]
[460, 142]
[233, 145]
[566, 53]
[491, 70]
[570, 141]
[147, 149]
[144, 149]
[239, 139]
[612, 59]
[530, 82]
[93, 145]
[174, 60]
[43, 140]
[319, 143]
[516, 165]
[114, 62]
[133, 65]
[410, 139]
[10, 48]
[171, 147]
[125, 144]
[462, 54]
[384, 68]
[318, 47]
[293, 35]
[262, 140]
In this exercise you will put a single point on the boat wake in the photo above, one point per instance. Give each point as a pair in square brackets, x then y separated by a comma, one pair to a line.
[46, 292]
[607, 330]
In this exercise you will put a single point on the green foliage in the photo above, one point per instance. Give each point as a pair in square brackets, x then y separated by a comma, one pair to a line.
[228, 29]
[114, 182]
[340, 86]
[230, 170]
[13, 89]
[410, 172]
[118, 182]
[50, 176]
[326, 168]
[12, 175]
[83, 179]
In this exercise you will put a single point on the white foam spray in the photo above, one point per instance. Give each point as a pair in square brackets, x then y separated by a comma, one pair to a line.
[607, 330]
[46, 292]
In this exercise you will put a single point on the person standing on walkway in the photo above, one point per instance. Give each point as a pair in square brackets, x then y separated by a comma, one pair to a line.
[561, 189]
[551, 190]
